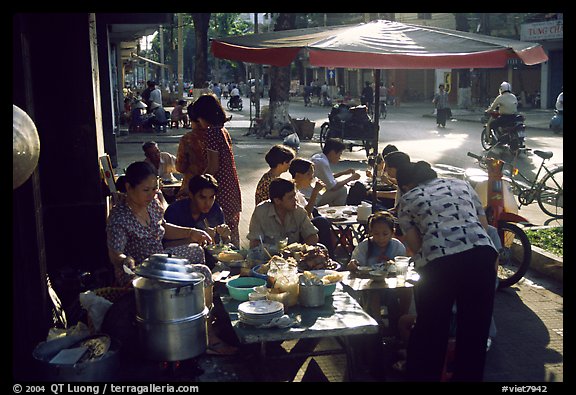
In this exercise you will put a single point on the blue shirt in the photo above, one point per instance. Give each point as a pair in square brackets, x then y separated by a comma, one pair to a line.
[179, 213]
[377, 255]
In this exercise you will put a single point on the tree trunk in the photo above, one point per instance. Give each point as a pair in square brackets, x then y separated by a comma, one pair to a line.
[201, 24]
[278, 118]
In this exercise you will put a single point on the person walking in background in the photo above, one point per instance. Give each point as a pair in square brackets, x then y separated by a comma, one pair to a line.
[445, 225]
[217, 91]
[220, 159]
[440, 101]
[278, 158]
[393, 100]
[155, 94]
[367, 97]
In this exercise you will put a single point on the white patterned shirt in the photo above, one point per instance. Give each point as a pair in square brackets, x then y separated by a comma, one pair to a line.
[445, 212]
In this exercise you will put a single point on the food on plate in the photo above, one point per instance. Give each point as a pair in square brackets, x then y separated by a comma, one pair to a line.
[332, 278]
[230, 256]
[314, 258]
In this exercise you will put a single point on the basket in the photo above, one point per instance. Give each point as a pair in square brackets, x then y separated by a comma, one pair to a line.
[304, 128]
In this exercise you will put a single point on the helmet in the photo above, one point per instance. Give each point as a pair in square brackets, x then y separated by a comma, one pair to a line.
[505, 87]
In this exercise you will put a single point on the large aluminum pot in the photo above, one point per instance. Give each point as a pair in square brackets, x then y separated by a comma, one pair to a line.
[174, 341]
[168, 301]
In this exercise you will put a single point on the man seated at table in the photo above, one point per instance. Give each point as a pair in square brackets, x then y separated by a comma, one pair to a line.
[336, 191]
[387, 192]
[163, 162]
[281, 217]
[302, 171]
[200, 210]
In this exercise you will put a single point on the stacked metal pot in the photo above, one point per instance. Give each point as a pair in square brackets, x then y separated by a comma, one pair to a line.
[171, 312]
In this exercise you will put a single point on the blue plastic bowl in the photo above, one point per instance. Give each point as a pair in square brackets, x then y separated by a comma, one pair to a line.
[254, 272]
[241, 287]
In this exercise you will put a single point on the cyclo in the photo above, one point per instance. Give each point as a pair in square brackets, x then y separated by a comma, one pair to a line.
[350, 123]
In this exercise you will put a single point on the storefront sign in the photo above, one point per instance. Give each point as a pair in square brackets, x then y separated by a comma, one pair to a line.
[550, 30]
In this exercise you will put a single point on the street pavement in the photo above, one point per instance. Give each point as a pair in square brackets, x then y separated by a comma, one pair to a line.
[528, 315]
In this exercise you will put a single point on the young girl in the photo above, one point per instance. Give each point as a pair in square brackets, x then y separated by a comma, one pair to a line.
[380, 246]
[375, 252]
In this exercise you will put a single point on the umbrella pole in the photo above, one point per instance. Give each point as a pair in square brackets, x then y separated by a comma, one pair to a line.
[376, 120]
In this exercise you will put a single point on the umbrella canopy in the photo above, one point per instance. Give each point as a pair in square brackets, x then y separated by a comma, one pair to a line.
[379, 44]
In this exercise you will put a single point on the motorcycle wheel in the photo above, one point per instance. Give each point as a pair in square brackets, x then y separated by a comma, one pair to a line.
[515, 255]
[229, 105]
[487, 144]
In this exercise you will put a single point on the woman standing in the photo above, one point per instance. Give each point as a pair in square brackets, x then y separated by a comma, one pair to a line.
[191, 157]
[220, 159]
[440, 101]
[444, 224]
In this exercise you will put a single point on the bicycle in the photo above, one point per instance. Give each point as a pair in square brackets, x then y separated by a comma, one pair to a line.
[516, 252]
[548, 191]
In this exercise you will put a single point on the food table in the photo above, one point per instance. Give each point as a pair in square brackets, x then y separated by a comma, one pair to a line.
[341, 317]
[364, 286]
[344, 219]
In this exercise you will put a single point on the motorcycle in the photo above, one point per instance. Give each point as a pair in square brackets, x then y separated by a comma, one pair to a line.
[234, 103]
[511, 135]
[557, 122]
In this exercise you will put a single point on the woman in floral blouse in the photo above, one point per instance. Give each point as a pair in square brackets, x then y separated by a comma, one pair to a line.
[136, 228]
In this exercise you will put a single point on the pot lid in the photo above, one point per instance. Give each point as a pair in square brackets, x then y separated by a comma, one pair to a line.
[162, 267]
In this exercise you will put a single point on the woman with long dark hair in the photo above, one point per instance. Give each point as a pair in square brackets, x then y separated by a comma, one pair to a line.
[220, 159]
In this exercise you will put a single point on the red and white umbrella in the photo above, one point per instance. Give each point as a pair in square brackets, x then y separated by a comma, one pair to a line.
[379, 44]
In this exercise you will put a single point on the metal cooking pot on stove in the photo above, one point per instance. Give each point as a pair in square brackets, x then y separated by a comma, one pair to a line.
[167, 301]
[168, 289]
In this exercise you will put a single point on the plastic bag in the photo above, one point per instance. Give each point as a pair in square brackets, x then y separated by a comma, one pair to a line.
[96, 306]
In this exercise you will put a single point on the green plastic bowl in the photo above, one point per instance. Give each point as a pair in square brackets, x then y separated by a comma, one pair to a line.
[240, 287]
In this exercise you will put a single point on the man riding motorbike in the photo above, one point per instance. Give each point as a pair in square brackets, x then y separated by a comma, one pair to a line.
[235, 96]
[506, 104]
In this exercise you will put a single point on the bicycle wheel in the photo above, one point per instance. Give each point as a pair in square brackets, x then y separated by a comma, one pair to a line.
[551, 193]
[324, 130]
[515, 255]
[483, 139]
